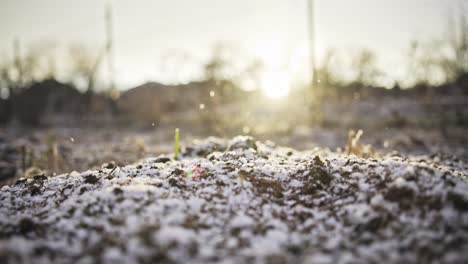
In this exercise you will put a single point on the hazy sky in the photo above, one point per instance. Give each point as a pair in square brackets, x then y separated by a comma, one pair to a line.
[148, 32]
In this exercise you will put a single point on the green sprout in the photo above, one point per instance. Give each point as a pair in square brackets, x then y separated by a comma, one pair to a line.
[176, 143]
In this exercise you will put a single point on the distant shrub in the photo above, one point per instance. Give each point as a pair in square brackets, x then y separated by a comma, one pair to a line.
[176, 143]
[43, 100]
[30, 106]
[5, 111]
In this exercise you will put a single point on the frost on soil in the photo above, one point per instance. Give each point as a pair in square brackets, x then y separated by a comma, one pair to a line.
[239, 201]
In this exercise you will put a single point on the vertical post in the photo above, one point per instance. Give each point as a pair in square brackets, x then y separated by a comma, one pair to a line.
[109, 45]
[17, 61]
[314, 97]
[311, 27]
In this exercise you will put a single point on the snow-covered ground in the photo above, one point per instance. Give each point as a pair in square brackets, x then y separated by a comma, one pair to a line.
[239, 200]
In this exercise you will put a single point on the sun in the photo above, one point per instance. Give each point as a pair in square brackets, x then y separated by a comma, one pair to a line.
[275, 78]
[275, 84]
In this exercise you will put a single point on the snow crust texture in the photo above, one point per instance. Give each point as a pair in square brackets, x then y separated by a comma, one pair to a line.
[242, 201]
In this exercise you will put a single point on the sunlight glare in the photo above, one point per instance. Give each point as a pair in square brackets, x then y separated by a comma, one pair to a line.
[275, 85]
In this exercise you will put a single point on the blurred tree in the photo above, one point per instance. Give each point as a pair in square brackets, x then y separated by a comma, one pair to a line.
[456, 64]
[331, 71]
[19, 72]
[214, 74]
[84, 67]
[421, 61]
[364, 63]
[435, 62]
[84, 72]
[6, 85]
[214, 69]
[219, 73]
[6, 80]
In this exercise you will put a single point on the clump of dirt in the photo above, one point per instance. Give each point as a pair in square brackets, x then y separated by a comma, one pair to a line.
[263, 185]
[317, 177]
[91, 179]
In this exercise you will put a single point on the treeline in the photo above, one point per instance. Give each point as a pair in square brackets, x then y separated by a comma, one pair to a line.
[29, 88]
[434, 63]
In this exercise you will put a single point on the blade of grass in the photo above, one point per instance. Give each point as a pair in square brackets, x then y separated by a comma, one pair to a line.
[176, 144]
